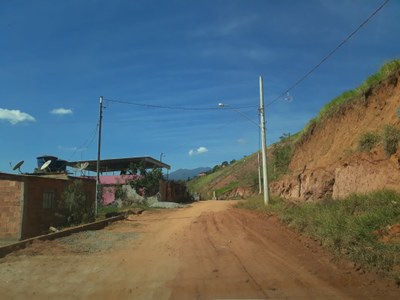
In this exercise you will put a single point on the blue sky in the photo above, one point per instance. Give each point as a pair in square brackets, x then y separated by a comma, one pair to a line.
[58, 57]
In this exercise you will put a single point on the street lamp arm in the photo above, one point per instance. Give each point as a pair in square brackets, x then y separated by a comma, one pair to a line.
[222, 105]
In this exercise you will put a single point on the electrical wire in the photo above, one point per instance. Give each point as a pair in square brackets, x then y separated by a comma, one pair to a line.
[329, 54]
[175, 107]
[87, 142]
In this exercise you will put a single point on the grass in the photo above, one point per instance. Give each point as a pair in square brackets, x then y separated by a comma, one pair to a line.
[340, 103]
[281, 156]
[103, 210]
[227, 188]
[347, 227]
[204, 184]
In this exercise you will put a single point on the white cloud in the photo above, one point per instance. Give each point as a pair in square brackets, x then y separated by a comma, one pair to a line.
[200, 150]
[61, 111]
[71, 149]
[15, 116]
[241, 141]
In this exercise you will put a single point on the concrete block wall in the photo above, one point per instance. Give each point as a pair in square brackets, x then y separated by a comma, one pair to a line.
[11, 197]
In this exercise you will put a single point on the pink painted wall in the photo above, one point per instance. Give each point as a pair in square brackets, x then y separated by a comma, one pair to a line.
[109, 184]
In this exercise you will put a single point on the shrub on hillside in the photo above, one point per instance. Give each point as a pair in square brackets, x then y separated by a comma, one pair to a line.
[368, 140]
[391, 137]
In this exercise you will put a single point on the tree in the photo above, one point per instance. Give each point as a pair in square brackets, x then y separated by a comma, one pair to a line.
[148, 183]
[215, 168]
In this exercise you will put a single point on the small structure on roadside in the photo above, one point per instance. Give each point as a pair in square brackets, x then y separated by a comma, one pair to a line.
[116, 187]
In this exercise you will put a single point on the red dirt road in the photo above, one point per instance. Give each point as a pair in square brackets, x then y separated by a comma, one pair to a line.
[207, 251]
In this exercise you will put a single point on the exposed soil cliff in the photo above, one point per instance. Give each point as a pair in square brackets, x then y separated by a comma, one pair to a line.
[327, 161]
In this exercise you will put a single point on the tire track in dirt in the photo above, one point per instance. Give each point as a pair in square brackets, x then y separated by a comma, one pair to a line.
[240, 254]
[206, 251]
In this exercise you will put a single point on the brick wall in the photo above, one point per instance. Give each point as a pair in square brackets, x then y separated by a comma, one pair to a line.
[11, 194]
[37, 217]
[38, 199]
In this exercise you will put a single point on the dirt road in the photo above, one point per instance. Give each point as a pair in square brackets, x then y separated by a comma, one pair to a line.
[207, 251]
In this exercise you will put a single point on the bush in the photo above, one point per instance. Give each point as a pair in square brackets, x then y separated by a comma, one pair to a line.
[80, 209]
[148, 183]
[368, 140]
[391, 137]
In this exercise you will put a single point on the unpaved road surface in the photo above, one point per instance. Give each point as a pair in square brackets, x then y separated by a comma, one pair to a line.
[207, 251]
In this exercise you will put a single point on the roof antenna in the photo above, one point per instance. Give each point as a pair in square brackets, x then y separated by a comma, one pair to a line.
[18, 166]
[45, 165]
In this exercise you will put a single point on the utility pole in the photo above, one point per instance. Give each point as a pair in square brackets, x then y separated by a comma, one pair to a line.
[98, 160]
[263, 144]
[259, 172]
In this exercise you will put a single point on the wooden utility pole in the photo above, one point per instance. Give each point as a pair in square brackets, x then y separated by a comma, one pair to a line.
[96, 208]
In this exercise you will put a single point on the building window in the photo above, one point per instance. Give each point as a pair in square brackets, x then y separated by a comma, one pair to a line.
[49, 200]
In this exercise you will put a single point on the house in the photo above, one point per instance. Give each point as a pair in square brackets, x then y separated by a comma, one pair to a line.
[30, 204]
[111, 183]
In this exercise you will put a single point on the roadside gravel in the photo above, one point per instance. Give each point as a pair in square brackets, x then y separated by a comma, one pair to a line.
[96, 241]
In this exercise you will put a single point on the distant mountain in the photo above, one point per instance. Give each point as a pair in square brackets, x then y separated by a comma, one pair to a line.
[183, 174]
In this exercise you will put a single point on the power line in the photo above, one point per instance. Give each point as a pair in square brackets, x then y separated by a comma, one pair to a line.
[329, 54]
[174, 107]
[87, 142]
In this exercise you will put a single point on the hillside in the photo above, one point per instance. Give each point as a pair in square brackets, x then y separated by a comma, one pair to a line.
[184, 174]
[239, 179]
[350, 147]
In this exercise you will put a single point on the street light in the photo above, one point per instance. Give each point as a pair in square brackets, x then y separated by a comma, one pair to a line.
[262, 127]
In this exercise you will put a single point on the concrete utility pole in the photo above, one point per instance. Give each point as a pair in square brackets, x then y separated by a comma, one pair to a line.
[259, 172]
[96, 209]
[263, 144]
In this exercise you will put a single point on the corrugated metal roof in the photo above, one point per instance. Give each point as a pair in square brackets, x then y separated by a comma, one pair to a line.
[120, 164]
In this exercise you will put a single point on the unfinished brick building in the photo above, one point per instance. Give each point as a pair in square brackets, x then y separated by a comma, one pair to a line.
[29, 205]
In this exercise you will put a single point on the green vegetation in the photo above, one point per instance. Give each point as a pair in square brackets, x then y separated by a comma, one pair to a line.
[391, 137]
[347, 227]
[227, 188]
[205, 184]
[79, 209]
[368, 140]
[148, 184]
[281, 155]
[360, 93]
[108, 210]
